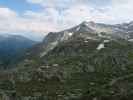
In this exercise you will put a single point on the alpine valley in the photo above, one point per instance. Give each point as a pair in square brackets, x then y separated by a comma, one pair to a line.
[91, 61]
[12, 48]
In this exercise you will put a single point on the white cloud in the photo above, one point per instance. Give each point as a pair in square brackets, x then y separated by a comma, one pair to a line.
[61, 4]
[30, 22]
[116, 11]
[121, 10]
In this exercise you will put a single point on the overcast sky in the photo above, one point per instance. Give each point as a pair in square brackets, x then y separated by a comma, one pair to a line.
[35, 18]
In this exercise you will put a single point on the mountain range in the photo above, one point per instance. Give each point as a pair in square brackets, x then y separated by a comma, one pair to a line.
[91, 61]
[88, 30]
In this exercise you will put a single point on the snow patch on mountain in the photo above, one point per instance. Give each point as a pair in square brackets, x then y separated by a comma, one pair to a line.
[78, 28]
[100, 46]
[91, 38]
[66, 35]
[70, 34]
[130, 40]
[106, 41]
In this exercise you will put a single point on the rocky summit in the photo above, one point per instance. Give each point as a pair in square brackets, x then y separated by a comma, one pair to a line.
[91, 61]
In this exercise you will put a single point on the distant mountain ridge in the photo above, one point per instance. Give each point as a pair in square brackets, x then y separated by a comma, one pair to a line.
[11, 46]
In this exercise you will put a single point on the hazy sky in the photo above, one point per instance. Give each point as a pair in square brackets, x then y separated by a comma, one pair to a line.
[35, 18]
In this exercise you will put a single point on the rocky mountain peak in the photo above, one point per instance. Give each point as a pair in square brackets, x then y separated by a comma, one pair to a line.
[88, 23]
